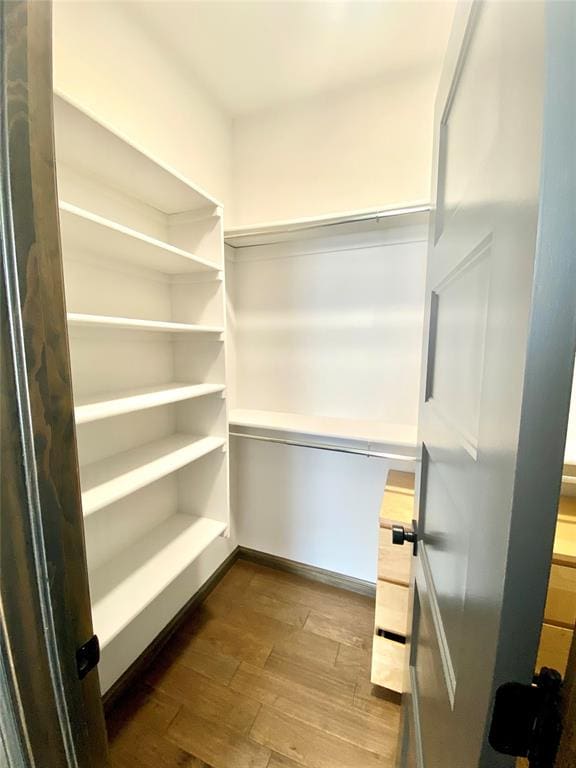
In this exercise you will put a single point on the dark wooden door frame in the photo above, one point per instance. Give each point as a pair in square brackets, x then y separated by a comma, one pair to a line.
[44, 598]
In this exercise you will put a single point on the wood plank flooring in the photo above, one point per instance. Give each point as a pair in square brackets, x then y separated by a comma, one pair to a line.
[271, 672]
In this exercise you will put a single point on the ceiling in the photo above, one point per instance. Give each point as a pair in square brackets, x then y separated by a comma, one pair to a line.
[258, 55]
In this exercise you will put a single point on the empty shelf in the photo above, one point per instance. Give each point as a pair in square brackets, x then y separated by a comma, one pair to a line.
[111, 479]
[93, 148]
[130, 323]
[125, 585]
[402, 436]
[94, 234]
[128, 401]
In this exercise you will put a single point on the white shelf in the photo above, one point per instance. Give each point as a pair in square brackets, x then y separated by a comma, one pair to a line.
[125, 585]
[94, 234]
[85, 143]
[118, 403]
[135, 324]
[402, 436]
[111, 479]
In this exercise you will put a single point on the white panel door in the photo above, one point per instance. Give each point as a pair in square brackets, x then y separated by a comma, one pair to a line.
[501, 296]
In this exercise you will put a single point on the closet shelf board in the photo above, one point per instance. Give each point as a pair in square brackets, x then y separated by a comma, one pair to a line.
[91, 233]
[111, 479]
[118, 403]
[130, 323]
[126, 584]
[117, 161]
[365, 430]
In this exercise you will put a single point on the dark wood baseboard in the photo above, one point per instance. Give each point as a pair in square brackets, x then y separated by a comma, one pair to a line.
[137, 668]
[308, 571]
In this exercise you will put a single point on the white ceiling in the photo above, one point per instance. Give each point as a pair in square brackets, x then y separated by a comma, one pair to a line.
[258, 55]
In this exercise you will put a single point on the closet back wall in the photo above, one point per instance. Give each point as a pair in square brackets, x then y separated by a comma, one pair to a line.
[328, 327]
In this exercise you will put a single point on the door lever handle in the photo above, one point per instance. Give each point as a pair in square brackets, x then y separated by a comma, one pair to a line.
[400, 535]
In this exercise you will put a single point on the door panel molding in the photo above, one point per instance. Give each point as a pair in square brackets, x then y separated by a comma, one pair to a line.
[436, 614]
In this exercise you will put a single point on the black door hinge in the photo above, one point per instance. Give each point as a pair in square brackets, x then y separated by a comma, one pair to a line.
[527, 721]
[87, 656]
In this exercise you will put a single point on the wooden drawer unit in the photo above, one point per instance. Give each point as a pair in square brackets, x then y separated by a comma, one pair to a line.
[560, 611]
[392, 592]
[394, 562]
[554, 647]
[561, 601]
[388, 663]
[391, 608]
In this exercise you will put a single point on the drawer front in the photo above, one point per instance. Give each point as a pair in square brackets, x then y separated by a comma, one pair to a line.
[387, 663]
[554, 648]
[561, 600]
[392, 607]
[394, 561]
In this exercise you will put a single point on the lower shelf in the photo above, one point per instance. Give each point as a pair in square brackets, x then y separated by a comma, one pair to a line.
[109, 480]
[124, 586]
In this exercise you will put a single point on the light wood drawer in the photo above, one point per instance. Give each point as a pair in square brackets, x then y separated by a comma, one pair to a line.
[554, 648]
[392, 607]
[387, 663]
[394, 561]
[561, 601]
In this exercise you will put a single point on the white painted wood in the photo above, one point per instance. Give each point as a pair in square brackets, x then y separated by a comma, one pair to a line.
[498, 362]
[107, 481]
[124, 586]
[143, 252]
[103, 407]
[118, 162]
[398, 436]
[134, 638]
[88, 232]
[316, 226]
[130, 323]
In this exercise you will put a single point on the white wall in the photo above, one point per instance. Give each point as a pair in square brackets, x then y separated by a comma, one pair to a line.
[312, 506]
[329, 326]
[104, 60]
[365, 147]
[333, 326]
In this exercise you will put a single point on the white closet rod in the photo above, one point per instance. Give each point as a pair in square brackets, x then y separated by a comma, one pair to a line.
[327, 447]
[287, 230]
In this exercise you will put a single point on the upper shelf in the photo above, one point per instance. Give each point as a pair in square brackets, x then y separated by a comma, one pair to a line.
[351, 222]
[94, 234]
[134, 324]
[87, 144]
[398, 437]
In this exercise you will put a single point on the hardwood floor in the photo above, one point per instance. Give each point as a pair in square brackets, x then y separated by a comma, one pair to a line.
[271, 672]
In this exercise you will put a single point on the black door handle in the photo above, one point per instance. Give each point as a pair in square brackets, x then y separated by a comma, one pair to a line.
[400, 535]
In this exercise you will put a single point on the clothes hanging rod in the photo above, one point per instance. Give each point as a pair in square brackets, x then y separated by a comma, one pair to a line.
[327, 447]
[288, 229]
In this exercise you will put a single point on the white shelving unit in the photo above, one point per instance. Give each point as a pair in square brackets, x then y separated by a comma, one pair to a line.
[143, 264]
